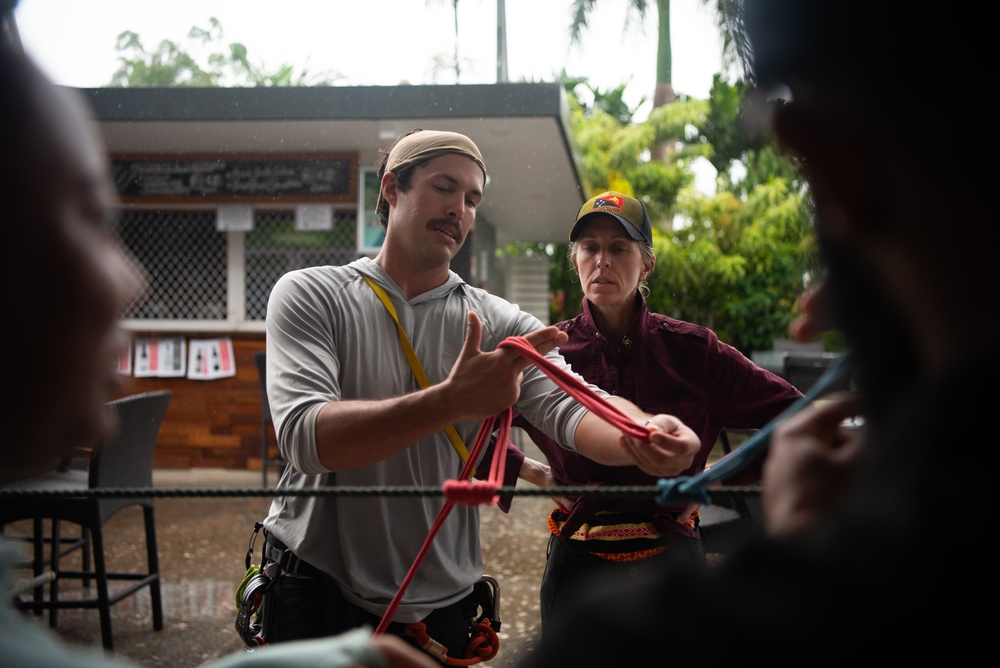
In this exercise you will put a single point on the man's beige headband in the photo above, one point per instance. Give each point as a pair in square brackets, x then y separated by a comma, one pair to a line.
[428, 144]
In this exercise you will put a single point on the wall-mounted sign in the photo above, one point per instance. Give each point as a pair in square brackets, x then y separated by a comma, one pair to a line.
[304, 177]
[370, 232]
[234, 217]
[313, 217]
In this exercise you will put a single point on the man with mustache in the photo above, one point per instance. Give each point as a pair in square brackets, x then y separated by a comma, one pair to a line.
[349, 411]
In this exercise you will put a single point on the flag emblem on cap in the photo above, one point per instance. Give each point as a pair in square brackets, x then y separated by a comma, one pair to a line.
[609, 200]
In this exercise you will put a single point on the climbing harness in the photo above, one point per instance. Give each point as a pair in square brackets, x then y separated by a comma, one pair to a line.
[483, 644]
[483, 640]
[470, 492]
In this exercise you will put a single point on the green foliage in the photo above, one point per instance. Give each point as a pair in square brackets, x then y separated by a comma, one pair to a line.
[723, 128]
[206, 61]
[167, 66]
[615, 153]
[738, 266]
[611, 102]
[736, 261]
[735, 140]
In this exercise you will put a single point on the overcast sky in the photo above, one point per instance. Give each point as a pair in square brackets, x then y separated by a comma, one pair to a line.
[385, 42]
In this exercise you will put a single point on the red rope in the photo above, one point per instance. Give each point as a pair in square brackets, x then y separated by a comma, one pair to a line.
[476, 492]
[461, 490]
[578, 389]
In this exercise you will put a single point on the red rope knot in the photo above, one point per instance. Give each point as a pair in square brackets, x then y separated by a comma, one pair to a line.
[484, 643]
[471, 492]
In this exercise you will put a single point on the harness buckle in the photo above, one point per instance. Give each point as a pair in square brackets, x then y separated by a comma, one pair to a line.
[488, 596]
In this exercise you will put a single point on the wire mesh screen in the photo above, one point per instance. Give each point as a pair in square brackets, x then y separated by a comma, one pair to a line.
[274, 247]
[186, 260]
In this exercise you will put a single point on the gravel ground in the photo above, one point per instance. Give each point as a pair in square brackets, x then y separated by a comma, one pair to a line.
[202, 542]
[201, 545]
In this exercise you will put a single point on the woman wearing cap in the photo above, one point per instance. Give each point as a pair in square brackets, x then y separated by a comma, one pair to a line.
[662, 365]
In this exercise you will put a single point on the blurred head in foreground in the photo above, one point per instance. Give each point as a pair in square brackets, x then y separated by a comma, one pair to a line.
[67, 279]
[871, 103]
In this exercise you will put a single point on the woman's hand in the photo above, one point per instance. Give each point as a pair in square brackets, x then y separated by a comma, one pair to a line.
[670, 450]
[540, 474]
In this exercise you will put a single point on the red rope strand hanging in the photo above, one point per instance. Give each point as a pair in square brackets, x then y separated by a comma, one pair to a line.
[485, 492]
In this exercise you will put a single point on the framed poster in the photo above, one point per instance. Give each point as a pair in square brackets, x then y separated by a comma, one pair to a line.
[162, 357]
[209, 359]
[370, 232]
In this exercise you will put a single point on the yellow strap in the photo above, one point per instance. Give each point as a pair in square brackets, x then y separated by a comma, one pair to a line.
[418, 371]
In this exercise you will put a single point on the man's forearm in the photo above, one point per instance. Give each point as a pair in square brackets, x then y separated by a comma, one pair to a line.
[360, 432]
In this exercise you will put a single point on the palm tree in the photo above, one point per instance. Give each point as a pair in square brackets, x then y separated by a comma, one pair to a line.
[454, 9]
[728, 20]
[664, 91]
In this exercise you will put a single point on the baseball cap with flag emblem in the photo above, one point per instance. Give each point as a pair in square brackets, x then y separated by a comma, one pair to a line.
[626, 210]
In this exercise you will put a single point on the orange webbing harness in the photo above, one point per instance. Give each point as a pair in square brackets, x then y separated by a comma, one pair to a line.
[485, 492]
[483, 644]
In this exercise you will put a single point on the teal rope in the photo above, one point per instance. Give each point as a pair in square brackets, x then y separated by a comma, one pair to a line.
[695, 488]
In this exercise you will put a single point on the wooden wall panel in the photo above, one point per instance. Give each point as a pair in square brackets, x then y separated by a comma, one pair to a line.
[211, 423]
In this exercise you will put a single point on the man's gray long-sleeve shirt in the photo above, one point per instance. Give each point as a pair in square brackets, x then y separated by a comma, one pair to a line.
[330, 338]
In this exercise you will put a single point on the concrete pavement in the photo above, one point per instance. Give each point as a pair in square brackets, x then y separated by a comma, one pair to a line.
[202, 541]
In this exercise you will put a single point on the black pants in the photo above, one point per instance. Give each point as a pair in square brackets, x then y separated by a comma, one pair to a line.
[298, 608]
[570, 571]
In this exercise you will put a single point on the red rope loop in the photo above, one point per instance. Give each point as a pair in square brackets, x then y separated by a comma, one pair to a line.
[471, 492]
[578, 389]
[484, 643]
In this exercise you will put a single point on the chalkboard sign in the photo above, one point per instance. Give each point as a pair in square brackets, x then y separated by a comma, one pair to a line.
[245, 178]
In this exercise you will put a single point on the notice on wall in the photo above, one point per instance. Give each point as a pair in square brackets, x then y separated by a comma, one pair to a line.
[162, 357]
[313, 217]
[234, 218]
[123, 364]
[209, 359]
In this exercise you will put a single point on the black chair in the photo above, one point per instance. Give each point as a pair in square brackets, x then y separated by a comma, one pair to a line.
[124, 460]
[803, 370]
[266, 425]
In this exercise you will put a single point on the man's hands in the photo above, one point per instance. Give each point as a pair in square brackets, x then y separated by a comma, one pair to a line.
[812, 463]
[479, 386]
[482, 384]
[813, 459]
